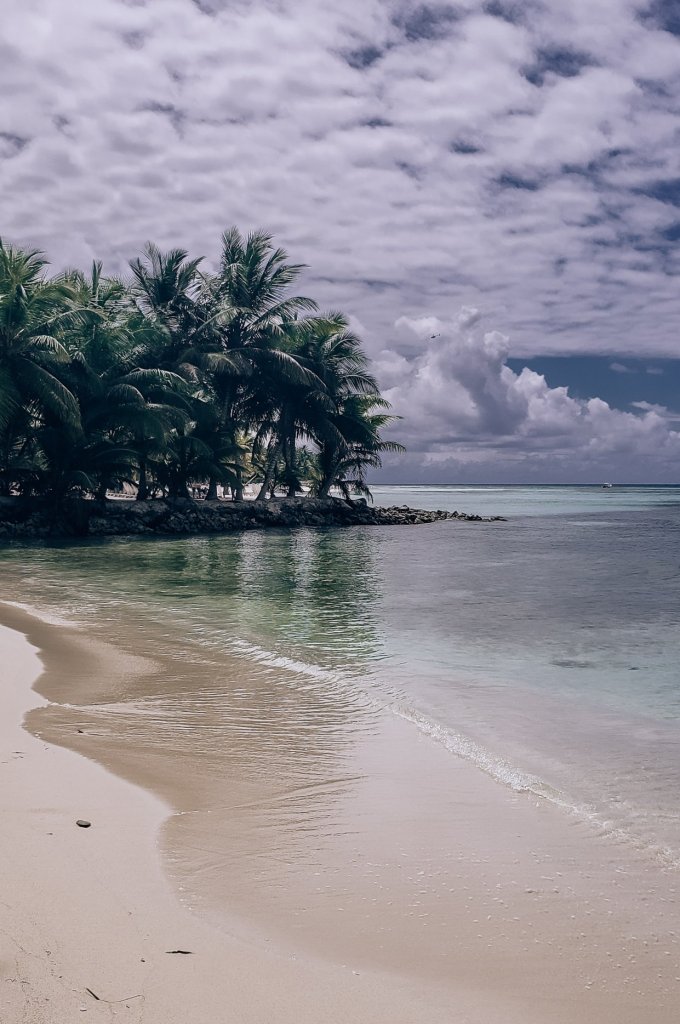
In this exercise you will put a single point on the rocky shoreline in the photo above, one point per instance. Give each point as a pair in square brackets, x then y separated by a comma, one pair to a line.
[20, 519]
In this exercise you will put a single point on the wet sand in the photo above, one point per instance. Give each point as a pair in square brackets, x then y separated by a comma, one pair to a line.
[316, 871]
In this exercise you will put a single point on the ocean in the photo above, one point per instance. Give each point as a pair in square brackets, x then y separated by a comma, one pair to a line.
[544, 651]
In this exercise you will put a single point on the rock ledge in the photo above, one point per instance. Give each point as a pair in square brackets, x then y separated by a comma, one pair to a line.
[165, 516]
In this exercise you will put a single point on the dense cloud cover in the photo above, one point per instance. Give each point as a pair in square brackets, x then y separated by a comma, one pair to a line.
[518, 157]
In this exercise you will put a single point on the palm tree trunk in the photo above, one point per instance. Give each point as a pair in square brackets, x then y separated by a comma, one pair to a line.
[273, 451]
[264, 489]
[328, 480]
[102, 489]
[212, 489]
[291, 467]
[238, 490]
[289, 452]
[142, 486]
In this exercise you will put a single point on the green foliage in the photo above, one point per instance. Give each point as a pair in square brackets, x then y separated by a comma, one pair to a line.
[178, 377]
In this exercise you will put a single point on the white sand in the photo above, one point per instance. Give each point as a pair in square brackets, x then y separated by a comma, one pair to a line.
[90, 908]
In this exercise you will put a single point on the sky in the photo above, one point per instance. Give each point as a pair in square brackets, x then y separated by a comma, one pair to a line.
[490, 189]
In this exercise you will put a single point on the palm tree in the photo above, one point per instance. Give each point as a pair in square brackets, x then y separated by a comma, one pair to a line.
[354, 446]
[250, 348]
[127, 410]
[343, 418]
[169, 296]
[34, 310]
[167, 283]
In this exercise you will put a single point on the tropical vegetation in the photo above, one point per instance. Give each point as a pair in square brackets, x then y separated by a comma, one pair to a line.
[178, 377]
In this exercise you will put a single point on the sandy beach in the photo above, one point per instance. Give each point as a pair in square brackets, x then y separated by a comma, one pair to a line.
[438, 894]
[90, 908]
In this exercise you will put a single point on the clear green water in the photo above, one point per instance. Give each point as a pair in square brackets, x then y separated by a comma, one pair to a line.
[545, 649]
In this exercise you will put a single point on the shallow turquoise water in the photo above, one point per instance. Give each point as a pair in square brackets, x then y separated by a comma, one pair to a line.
[545, 649]
[530, 501]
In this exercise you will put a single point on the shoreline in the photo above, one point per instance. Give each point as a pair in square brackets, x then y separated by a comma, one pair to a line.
[486, 980]
[22, 519]
[92, 909]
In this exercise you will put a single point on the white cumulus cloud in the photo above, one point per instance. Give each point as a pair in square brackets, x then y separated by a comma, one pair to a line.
[461, 400]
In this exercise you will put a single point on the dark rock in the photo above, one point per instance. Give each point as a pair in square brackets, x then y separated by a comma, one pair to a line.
[83, 823]
[20, 519]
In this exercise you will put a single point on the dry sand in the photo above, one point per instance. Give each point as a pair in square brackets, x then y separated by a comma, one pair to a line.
[525, 916]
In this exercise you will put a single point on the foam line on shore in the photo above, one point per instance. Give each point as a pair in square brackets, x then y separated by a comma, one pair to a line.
[496, 767]
[508, 775]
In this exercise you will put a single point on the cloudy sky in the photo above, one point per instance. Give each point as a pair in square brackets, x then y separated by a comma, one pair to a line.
[490, 188]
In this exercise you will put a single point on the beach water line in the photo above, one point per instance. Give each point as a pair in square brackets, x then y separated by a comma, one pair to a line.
[387, 699]
[88, 917]
[378, 697]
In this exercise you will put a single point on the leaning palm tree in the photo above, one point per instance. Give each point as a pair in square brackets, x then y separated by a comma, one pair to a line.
[354, 445]
[294, 409]
[346, 417]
